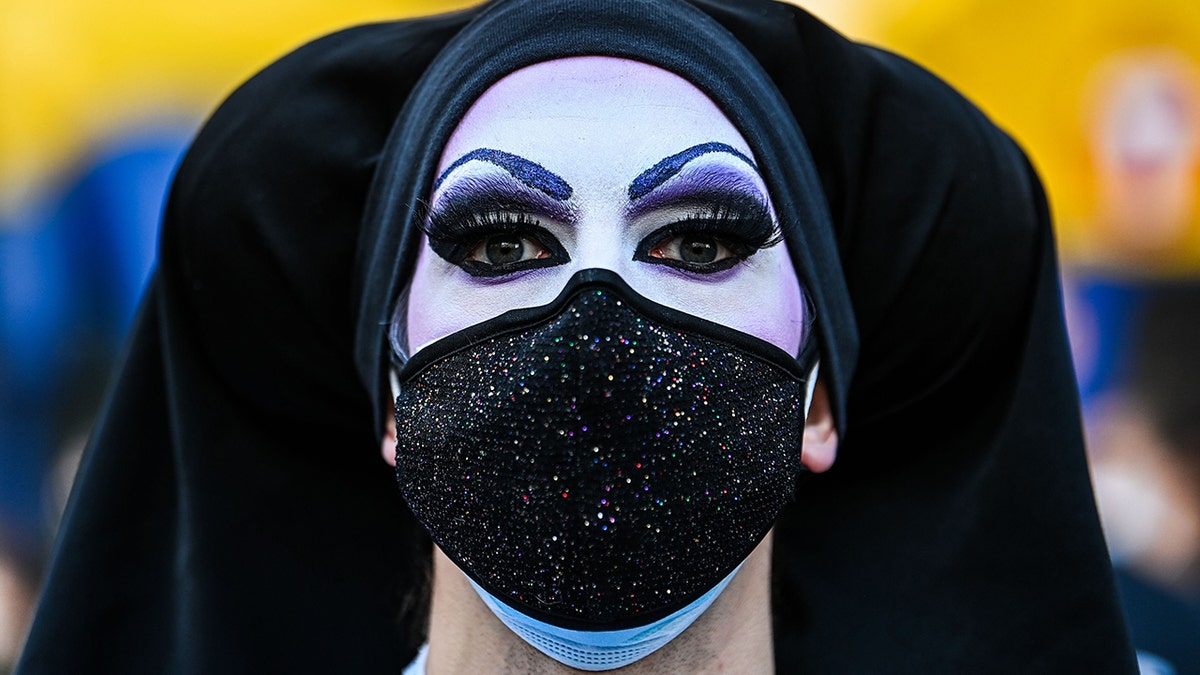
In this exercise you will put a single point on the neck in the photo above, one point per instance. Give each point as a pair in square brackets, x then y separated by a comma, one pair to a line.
[733, 634]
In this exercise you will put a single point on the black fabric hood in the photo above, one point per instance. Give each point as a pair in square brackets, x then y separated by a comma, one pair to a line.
[232, 513]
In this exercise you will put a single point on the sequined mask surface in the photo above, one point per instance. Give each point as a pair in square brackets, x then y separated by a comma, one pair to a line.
[602, 461]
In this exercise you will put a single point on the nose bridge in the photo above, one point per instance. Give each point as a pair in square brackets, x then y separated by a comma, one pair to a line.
[603, 241]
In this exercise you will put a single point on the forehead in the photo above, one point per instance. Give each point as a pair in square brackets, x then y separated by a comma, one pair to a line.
[591, 113]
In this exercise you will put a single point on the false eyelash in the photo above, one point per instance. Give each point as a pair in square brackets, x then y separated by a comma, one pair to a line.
[751, 226]
[744, 226]
[471, 225]
[456, 230]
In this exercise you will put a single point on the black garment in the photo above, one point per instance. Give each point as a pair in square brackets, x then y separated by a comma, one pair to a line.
[232, 514]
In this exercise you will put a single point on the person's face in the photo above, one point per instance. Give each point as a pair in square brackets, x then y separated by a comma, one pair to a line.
[550, 172]
[584, 163]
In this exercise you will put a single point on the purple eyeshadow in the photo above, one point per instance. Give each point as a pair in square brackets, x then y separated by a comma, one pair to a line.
[658, 174]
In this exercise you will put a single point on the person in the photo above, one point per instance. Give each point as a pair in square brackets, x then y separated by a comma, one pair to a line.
[1144, 462]
[504, 228]
[671, 233]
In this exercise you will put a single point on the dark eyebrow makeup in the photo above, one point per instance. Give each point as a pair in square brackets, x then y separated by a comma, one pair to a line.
[530, 173]
[661, 172]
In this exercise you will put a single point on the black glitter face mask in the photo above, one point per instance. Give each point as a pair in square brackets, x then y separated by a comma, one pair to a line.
[602, 461]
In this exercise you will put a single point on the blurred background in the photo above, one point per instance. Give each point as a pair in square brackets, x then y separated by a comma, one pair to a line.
[101, 99]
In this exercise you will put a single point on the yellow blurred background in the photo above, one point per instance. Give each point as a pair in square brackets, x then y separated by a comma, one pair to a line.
[1103, 94]
[75, 71]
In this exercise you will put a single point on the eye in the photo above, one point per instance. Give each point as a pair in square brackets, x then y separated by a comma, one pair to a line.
[709, 242]
[493, 243]
[507, 248]
[693, 248]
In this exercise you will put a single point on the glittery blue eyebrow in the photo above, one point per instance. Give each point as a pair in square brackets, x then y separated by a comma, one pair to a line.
[528, 172]
[660, 173]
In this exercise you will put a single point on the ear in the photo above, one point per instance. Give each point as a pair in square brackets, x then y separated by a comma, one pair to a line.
[820, 435]
[389, 441]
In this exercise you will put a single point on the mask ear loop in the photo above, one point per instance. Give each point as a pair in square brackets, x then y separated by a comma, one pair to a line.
[398, 341]
[810, 350]
[398, 330]
[395, 382]
[810, 385]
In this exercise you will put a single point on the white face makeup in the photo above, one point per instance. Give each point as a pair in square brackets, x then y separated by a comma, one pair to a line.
[597, 162]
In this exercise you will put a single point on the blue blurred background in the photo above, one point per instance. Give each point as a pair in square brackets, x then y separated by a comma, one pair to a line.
[101, 99]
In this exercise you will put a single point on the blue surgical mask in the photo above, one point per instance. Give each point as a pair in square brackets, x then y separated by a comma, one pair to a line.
[601, 649]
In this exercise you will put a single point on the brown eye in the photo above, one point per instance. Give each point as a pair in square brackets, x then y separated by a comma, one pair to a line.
[503, 249]
[507, 248]
[718, 236]
[693, 248]
[698, 248]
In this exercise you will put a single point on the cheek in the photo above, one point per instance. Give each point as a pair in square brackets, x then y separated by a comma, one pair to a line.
[780, 318]
[770, 305]
[761, 297]
[436, 306]
[443, 299]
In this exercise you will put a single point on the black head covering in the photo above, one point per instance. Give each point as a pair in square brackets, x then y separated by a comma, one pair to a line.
[232, 513]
